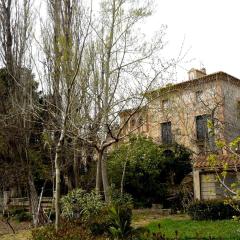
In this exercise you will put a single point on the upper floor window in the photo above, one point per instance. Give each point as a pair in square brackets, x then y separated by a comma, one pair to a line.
[201, 127]
[238, 109]
[133, 123]
[166, 129]
[198, 95]
[165, 104]
[140, 121]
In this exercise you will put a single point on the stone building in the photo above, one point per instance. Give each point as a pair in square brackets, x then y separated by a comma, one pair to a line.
[182, 112]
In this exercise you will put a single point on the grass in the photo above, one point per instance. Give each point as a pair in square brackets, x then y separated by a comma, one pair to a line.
[189, 229]
[142, 217]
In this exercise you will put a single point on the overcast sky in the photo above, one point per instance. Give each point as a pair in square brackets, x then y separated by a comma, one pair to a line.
[210, 29]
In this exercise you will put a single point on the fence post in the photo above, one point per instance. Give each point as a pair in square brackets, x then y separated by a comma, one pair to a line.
[6, 201]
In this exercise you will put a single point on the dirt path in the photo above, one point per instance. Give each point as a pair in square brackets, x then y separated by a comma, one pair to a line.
[21, 229]
[21, 235]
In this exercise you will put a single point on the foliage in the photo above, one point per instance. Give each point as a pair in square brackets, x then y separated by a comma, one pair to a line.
[120, 223]
[21, 215]
[67, 231]
[79, 204]
[119, 199]
[20, 135]
[232, 164]
[108, 220]
[211, 210]
[147, 162]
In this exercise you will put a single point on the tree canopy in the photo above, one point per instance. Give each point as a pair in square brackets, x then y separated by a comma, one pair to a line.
[148, 169]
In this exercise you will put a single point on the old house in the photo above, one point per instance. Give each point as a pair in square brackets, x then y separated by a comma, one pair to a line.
[182, 113]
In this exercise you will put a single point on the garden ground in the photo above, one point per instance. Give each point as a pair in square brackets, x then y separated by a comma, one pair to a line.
[187, 229]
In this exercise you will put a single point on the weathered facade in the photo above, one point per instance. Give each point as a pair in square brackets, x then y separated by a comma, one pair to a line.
[181, 113]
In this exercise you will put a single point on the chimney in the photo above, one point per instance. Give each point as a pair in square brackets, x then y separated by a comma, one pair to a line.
[196, 73]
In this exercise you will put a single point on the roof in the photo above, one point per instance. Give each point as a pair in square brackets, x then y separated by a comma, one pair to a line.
[204, 79]
[228, 162]
[129, 111]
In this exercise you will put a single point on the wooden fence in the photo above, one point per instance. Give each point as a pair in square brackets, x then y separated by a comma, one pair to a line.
[46, 203]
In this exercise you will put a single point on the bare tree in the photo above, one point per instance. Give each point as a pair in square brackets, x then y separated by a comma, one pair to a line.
[95, 69]
[64, 43]
[122, 66]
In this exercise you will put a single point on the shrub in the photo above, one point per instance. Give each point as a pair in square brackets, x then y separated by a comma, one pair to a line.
[120, 219]
[211, 210]
[90, 211]
[105, 220]
[120, 215]
[78, 204]
[119, 199]
[21, 215]
[99, 227]
[68, 231]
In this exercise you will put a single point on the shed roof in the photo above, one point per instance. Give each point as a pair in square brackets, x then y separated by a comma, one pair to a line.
[219, 162]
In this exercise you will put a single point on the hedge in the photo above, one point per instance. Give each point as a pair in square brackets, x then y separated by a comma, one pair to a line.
[212, 210]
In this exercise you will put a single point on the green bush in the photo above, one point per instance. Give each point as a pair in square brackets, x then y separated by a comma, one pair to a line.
[99, 227]
[120, 219]
[211, 210]
[119, 199]
[105, 220]
[78, 204]
[120, 215]
[21, 214]
[146, 162]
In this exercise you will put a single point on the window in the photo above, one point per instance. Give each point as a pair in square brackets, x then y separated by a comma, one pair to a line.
[140, 121]
[132, 123]
[199, 96]
[166, 132]
[201, 127]
[165, 104]
[238, 109]
[229, 179]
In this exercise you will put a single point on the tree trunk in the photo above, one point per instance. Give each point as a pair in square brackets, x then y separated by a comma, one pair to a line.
[105, 177]
[76, 165]
[98, 173]
[123, 176]
[33, 199]
[9, 38]
[58, 180]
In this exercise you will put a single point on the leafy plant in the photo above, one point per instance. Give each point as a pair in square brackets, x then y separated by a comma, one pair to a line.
[120, 223]
[119, 199]
[79, 204]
